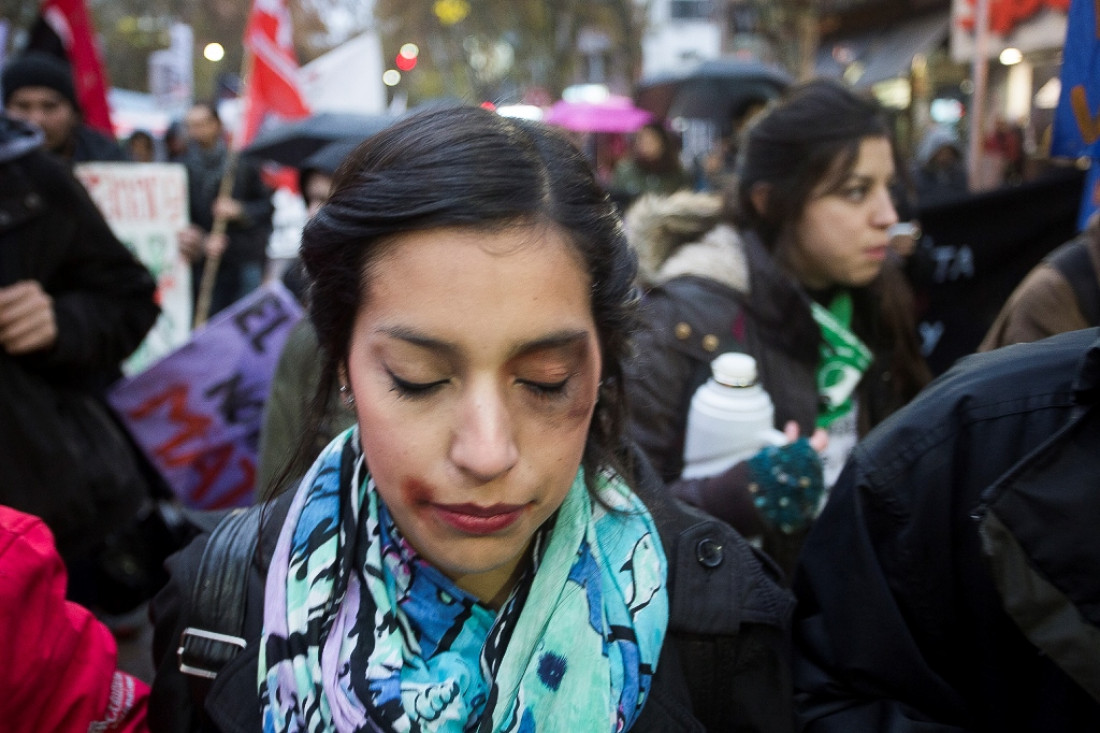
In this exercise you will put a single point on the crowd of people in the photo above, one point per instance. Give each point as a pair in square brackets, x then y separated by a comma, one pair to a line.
[471, 512]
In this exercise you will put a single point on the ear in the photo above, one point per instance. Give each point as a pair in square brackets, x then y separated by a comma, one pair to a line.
[760, 195]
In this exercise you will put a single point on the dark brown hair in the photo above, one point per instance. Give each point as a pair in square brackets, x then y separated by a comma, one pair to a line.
[812, 134]
[468, 167]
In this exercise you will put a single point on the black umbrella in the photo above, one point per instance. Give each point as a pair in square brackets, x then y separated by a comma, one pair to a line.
[328, 159]
[292, 143]
[716, 90]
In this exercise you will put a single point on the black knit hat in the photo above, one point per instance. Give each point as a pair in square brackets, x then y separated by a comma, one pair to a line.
[36, 69]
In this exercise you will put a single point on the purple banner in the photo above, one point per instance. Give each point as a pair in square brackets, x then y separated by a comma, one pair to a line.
[197, 412]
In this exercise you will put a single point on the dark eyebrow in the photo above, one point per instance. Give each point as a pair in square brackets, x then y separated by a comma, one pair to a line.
[550, 342]
[416, 338]
[555, 340]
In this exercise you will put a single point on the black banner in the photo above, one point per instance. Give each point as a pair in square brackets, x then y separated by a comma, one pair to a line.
[976, 250]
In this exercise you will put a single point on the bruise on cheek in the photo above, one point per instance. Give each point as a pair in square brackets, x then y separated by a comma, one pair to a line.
[581, 407]
[415, 492]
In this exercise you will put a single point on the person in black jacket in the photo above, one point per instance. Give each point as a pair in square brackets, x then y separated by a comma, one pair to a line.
[480, 549]
[953, 581]
[74, 302]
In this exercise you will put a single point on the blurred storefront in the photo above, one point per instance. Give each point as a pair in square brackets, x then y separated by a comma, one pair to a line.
[900, 52]
[1024, 55]
[917, 57]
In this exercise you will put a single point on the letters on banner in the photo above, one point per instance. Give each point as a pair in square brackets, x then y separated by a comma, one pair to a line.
[197, 412]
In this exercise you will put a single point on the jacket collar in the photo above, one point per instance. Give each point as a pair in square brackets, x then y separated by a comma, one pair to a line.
[1086, 386]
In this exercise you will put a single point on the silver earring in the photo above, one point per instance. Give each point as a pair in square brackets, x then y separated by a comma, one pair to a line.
[349, 398]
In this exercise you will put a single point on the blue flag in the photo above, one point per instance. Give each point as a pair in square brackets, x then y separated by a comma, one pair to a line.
[1077, 121]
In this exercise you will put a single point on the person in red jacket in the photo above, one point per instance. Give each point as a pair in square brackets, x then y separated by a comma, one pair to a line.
[60, 663]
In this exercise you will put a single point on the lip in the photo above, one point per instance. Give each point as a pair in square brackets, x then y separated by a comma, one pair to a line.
[878, 253]
[474, 519]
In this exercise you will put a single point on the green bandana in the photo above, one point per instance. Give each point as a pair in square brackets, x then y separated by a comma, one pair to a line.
[844, 358]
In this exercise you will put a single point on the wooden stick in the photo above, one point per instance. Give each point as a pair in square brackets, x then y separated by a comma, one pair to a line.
[212, 263]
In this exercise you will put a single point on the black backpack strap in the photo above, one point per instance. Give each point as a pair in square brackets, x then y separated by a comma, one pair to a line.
[215, 633]
[1074, 261]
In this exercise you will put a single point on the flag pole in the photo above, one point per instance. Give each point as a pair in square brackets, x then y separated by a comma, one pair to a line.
[980, 73]
[225, 189]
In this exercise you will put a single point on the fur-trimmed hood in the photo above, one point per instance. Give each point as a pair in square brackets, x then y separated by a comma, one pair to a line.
[683, 234]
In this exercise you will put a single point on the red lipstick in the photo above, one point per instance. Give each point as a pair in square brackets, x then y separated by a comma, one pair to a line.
[475, 519]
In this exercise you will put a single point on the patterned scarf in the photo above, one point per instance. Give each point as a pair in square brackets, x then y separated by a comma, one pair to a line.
[361, 634]
[844, 358]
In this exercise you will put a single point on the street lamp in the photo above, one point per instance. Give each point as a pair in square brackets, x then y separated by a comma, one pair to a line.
[213, 52]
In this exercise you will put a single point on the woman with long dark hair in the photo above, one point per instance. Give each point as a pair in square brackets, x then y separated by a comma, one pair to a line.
[480, 551]
[793, 267]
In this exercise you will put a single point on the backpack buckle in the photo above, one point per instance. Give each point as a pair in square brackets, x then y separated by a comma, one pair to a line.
[203, 653]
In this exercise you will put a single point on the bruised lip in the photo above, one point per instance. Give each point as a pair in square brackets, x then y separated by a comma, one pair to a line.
[479, 520]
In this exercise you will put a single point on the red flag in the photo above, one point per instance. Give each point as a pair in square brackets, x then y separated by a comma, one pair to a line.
[64, 29]
[272, 84]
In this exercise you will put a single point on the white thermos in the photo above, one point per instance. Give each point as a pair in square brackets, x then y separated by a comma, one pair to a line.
[731, 418]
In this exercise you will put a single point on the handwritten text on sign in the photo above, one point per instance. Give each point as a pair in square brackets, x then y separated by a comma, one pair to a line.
[146, 206]
[197, 412]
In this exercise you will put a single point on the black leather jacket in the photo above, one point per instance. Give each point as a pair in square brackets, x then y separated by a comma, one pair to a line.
[952, 582]
[724, 666]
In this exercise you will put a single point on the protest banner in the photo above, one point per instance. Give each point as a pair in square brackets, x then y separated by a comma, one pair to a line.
[146, 207]
[975, 250]
[197, 412]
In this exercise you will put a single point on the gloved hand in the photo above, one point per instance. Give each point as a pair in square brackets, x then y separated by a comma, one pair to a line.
[787, 483]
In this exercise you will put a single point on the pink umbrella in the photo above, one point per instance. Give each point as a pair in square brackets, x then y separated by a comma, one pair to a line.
[614, 114]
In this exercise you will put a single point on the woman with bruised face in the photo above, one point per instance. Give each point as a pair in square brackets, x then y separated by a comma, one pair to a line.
[482, 551]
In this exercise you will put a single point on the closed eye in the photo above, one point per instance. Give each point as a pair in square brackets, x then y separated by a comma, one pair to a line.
[546, 390]
[405, 388]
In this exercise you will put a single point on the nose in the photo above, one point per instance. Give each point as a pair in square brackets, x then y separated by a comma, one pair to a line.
[884, 215]
[484, 444]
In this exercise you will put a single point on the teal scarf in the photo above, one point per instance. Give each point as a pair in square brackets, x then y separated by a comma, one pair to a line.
[844, 358]
[360, 633]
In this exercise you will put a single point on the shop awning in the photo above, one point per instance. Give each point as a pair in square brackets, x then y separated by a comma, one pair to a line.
[887, 53]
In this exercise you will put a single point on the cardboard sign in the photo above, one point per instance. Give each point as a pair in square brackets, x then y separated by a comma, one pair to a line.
[146, 207]
[197, 412]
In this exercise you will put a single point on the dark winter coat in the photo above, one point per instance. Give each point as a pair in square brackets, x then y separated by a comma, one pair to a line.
[713, 290]
[90, 146]
[724, 665]
[1047, 302]
[954, 576]
[103, 301]
[247, 237]
[52, 232]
